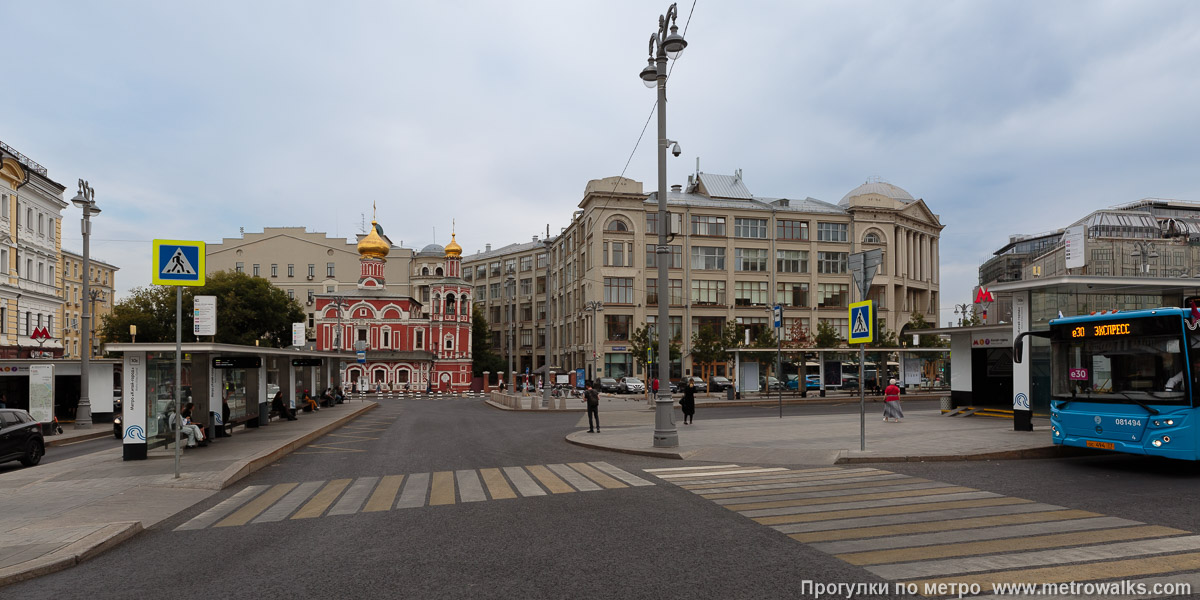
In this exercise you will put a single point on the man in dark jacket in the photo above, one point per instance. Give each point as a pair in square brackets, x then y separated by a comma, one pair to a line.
[593, 407]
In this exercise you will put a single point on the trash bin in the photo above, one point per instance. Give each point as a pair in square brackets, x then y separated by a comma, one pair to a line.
[264, 413]
[730, 393]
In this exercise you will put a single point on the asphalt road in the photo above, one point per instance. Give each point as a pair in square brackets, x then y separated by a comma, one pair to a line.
[656, 541]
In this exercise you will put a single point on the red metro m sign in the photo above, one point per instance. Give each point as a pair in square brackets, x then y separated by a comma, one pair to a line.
[40, 334]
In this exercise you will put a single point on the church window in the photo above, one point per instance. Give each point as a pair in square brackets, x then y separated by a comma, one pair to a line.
[449, 345]
[450, 305]
[439, 271]
[419, 340]
[424, 270]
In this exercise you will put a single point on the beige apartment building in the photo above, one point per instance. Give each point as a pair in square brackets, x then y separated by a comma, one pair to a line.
[102, 280]
[734, 256]
[305, 263]
[510, 285]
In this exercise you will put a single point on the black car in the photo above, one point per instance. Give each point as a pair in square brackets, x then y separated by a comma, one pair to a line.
[20, 437]
[719, 384]
[609, 385]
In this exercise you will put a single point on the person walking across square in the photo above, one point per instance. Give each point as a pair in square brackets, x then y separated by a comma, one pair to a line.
[891, 403]
[593, 407]
[688, 402]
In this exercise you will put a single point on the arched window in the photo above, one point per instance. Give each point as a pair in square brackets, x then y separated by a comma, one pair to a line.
[402, 376]
[449, 343]
[379, 375]
[617, 224]
[440, 272]
[872, 237]
[425, 270]
[437, 304]
[450, 305]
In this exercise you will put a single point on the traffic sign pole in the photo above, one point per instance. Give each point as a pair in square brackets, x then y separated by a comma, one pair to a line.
[178, 263]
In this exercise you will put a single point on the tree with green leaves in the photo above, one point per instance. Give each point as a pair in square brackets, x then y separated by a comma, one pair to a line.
[644, 345]
[710, 347]
[249, 309]
[918, 322]
[827, 335]
[482, 357]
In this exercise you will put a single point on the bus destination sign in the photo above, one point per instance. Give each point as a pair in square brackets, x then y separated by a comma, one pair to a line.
[1105, 330]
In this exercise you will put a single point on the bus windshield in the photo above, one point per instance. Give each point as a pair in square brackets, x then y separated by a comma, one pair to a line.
[1135, 370]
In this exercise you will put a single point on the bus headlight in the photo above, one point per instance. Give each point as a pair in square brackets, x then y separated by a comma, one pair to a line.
[1054, 428]
[1156, 443]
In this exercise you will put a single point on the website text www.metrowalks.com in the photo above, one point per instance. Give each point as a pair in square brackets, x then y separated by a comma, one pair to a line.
[819, 589]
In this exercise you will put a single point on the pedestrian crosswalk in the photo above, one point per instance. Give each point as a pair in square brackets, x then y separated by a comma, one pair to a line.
[924, 533]
[312, 499]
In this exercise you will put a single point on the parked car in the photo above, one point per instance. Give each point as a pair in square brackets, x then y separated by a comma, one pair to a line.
[719, 384]
[631, 385]
[674, 387]
[700, 385]
[608, 385]
[770, 384]
[849, 382]
[812, 382]
[20, 437]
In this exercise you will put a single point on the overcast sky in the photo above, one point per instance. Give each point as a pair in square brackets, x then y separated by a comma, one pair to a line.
[194, 119]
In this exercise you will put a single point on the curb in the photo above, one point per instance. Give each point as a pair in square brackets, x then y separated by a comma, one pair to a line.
[50, 443]
[674, 455]
[86, 548]
[1024, 454]
[231, 474]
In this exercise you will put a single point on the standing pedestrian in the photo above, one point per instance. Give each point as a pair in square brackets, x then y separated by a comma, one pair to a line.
[688, 402]
[654, 387]
[891, 403]
[593, 407]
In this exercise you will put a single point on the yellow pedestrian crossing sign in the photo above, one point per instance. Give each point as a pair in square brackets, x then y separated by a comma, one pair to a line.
[178, 262]
[862, 322]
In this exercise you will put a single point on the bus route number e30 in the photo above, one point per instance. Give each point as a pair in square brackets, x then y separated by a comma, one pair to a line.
[1102, 330]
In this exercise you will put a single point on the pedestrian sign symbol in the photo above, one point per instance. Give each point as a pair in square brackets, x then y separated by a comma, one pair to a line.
[862, 322]
[178, 262]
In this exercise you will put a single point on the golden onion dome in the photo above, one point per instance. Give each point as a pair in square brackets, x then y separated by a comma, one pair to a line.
[453, 249]
[373, 245]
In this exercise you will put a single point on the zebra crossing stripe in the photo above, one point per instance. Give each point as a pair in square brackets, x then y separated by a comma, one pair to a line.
[680, 469]
[754, 509]
[316, 507]
[354, 497]
[442, 491]
[887, 510]
[289, 503]
[496, 484]
[685, 476]
[413, 495]
[469, 489]
[1114, 569]
[978, 533]
[801, 493]
[597, 476]
[525, 484]
[251, 509]
[223, 508]
[967, 518]
[867, 504]
[627, 477]
[549, 480]
[732, 490]
[770, 477]
[385, 494]
[580, 482]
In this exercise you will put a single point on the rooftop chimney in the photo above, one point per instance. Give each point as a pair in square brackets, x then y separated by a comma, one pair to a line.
[677, 188]
[535, 238]
[487, 247]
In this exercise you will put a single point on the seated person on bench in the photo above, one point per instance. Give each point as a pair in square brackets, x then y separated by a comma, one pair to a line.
[278, 406]
[308, 404]
[327, 397]
[194, 433]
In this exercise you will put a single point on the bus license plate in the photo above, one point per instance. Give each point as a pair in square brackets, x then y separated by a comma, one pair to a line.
[1101, 445]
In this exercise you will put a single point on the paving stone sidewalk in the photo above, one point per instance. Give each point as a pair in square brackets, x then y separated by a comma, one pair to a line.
[55, 515]
[829, 439]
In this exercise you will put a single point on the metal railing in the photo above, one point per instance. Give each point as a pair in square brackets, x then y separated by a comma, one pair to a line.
[25, 160]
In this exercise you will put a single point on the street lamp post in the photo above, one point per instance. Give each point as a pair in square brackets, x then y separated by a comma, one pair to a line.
[86, 200]
[665, 43]
[594, 306]
[339, 302]
[94, 295]
[964, 312]
[509, 292]
[1145, 251]
[548, 244]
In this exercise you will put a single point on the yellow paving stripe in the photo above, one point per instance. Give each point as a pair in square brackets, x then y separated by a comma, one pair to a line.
[595, 475]
[814, 488]
[257, 505]
[879, 557]
[442, 491]
[933, 526]
[385, 494]
[693, 481]
[316, 507]
[1112, 569]
[549, 480]
[831, 477]
[496, 485]
[851, 498]
[887, 510]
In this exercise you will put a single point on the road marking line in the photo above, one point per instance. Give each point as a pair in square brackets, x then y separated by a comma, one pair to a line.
[525, 484]
[971, 534]
[674, 469]
[442, 491]
[887, 510]
[822, 492]
[549, 480]
[850, 499]
[595, 475]
[353, 499]
[963, 518]
[289, 503]
[933, 568]
[496, 484]
[222, 508]
[733, 490]
[1056, 540]
[255, 506]
[385, 494]
[782, 476]
[580, 482]
[1114, 569]
[316, 507]
[469, 489]
[686, 476]
[625, 476]
[795, 510]
[413, 495]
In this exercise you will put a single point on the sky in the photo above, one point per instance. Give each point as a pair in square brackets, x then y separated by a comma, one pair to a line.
[193, 120]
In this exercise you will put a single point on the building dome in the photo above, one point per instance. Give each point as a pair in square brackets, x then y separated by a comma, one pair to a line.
[881, 188]
[453, 250]
[432, 250]
[373, 245]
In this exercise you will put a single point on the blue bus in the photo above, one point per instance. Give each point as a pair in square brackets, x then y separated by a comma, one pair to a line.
[1126, 382]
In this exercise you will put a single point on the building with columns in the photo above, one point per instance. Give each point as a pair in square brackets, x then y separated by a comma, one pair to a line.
[734, 256]
[408, 344]
[102, 281]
